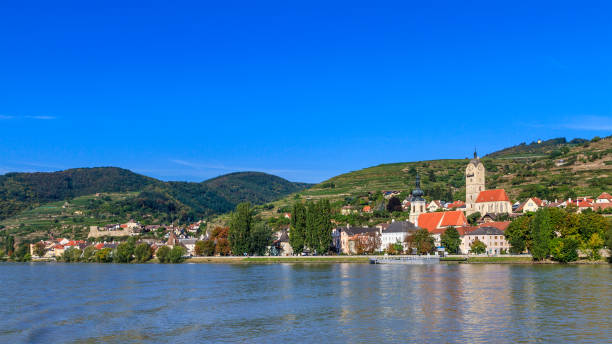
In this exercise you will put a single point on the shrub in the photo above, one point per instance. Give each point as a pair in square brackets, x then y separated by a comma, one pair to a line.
[143, 252]
[564, 250]
[163, 254]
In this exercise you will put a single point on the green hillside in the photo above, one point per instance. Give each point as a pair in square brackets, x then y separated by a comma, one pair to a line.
[558, 169]
[34, 204]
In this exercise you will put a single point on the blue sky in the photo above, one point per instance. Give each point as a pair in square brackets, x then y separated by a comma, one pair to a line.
[305, 90]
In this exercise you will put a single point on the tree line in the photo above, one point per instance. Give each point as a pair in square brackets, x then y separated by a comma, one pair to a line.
[559, 234]
[311, 227]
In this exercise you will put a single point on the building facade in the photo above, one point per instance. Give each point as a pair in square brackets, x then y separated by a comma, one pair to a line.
[474, 183]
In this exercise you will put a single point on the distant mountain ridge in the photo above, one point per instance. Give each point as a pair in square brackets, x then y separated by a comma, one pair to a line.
[20, 191]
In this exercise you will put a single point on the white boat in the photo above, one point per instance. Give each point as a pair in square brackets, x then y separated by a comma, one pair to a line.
[406, 260]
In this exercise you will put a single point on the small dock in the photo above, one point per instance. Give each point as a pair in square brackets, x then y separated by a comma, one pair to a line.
[417, 260]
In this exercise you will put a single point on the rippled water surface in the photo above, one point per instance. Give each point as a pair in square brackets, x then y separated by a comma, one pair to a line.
[325, 303]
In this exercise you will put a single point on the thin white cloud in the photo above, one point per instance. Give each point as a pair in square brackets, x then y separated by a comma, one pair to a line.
[200, 166]
[41, 117]
[45, 118]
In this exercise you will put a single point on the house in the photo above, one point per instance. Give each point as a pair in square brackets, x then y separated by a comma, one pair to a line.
[367, 209]
[492, 237]
[349, 236]
[437, 233]
[396, 232]
[347, 209]
[493, 201]
[530, 205]
[456, 205]
[432, 221]
[189, 244]
[604, 198]
[281, 246]
[388, 194]
[434, 206]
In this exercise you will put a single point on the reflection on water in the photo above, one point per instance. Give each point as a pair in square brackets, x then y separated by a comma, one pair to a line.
[54, 303]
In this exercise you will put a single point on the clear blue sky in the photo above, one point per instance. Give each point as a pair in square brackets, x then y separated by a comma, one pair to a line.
[305, 90]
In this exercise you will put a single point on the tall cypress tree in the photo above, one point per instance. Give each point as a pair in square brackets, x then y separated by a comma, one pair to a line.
[240, 229]
[311, 226]
[297, 234]
[541, 233]
[324, 230]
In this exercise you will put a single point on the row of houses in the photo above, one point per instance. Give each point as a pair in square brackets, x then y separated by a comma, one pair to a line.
[347, 238]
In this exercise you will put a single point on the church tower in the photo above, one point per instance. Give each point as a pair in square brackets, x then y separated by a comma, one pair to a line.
[474, 183]
[417, 202]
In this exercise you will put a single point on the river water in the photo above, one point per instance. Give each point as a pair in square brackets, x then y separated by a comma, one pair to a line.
[322, 303]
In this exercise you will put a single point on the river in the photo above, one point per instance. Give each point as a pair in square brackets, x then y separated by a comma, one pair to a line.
[322, 303]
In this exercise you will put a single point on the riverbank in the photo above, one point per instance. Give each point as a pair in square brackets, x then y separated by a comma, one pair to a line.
[366, 260]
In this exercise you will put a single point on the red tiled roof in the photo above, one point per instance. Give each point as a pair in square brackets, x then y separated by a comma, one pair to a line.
[492, 196]
[453, 218]
[367, 208]
[598, 206]
[456, 204]
[584, 204]
[431, 221]
[465, 229]
[99, 246]
[605, 195]
[502, 226]
[537, 201]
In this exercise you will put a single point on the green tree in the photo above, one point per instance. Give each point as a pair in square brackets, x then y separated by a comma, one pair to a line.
[39, 249]
[478, 247]
[591, 223]
[297, 234]
[176, 254]
[205, 248]
[71, 255]
[541, 233]
[241, 223]
[123, 253]
[89, 254]
[311, 226]
[451, 240]
[473, 218]
[22, 254]
[261, 238]
[421, 240]
[323, 227]
[143, 252]
[9, 245]
[163, 254]
[518, 234]
[593, 245]
[564, 250]
[104, 255]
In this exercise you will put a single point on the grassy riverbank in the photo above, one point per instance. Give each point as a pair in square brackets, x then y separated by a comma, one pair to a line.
[296, 259]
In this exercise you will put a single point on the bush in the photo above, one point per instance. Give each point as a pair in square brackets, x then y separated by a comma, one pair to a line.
[163, 254]
[205, 248]
[478, 247]
[564, 250]
[143, 252]
[176, 254]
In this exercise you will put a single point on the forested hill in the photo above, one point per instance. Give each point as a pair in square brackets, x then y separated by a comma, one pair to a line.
[20, 191]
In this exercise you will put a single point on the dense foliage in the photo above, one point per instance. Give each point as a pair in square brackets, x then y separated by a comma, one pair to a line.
[555, 233]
